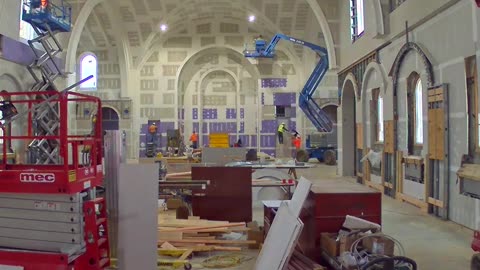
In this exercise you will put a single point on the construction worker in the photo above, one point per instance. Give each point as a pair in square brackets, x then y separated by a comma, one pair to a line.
[281, 129]
[260, 43]
[152, 129]
[297, 141]
[194, 140]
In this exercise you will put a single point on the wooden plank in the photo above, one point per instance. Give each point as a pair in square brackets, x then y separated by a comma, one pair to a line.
[426, 180]
[436, 202]
[167, 245]
[413, 160]
[382, 171]
[167, 236]
[186, 254]
[414, 201]
[376, 186]
[193, 218]
[229, 225]
[440, 133]
[227, 242]
[469, 171]
[359, 136]
[389, 137]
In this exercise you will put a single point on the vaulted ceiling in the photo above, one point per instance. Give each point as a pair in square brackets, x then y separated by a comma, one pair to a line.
[138, 21]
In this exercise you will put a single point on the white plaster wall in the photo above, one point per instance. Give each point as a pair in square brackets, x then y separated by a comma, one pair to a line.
[447, 39]
[10, 18]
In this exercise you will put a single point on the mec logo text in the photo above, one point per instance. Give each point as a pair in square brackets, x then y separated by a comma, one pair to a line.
[37, 177]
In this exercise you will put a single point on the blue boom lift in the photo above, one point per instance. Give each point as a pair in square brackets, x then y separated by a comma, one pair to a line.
[314, 113]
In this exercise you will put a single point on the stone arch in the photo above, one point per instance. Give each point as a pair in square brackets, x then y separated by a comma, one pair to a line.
[376, 6]
[322, 20]
[397, 64]
[347, 136]
[374, 67]
[351, 78]
[74, 40]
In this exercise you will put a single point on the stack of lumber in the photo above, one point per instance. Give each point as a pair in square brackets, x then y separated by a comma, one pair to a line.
[298, 261]
[199, 235]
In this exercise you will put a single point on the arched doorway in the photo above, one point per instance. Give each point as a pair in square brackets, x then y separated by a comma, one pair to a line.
[110, 119]
[349, 129]
[331, 110]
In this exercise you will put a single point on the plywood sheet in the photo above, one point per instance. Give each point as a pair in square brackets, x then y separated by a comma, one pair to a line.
[359, 136]
[389, 137]
[436, 134]
[299, 196]
[281, 240]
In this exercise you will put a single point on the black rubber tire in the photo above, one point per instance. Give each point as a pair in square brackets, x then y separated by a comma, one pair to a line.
[330, 158]
[187, 266]
[475, 262]
[302, 156]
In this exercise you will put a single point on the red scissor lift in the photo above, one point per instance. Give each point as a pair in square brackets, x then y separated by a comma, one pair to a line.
[71, 176]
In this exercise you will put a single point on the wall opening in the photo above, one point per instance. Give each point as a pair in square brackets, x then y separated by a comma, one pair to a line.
[415, 114]
[88, 67]
[349, 127]
[110, 119]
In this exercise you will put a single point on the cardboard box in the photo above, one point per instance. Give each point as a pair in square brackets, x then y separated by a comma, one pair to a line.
[379, 245]
[255, 233]
[329, 243]
[174, 203]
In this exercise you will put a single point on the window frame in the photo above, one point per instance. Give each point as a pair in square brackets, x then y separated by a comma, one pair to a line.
[418, 82]
[95, 75]
[380, 121]
[378, 124]
[354, 15]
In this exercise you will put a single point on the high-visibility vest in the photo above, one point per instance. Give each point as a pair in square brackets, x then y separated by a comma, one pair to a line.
[44, 3]
[194, 137]
[281, 127]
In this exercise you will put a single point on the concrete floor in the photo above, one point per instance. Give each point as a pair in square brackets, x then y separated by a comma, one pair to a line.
[434, 244]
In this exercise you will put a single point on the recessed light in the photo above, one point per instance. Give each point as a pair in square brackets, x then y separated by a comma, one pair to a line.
[163, 27]
[251, 18]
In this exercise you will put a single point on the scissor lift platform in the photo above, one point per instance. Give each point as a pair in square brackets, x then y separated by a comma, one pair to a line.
[56, 15]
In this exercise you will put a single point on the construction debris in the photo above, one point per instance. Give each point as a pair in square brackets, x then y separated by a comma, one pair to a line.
[181, 239]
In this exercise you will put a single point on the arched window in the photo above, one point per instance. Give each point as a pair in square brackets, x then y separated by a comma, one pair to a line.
[357, 19]
[88, 66]
[415, 114]
[418, 112]
[380, 130]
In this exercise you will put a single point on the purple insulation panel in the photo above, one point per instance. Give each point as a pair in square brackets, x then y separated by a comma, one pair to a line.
[253, 140]
[293, 112]
[163, 141]
[196, 127]
[144, 129]
[213, 127]
[164, 126]
[242, 127]
[269, 126]
[232, 139]
[22, 54]
[284, 99]
[210, 114]
[231, 113]
[245, 140]
[142, 153]
[274, 83]
[267, 140]
[205, 140]
[270, 152]
[242, 113]
[142, 140]
[195, 113]
[292, 125]
[232, 127]
[204, 127]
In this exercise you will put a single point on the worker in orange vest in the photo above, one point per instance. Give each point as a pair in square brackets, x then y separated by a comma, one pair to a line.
[194, 140]
[152, 129]
[297, 141]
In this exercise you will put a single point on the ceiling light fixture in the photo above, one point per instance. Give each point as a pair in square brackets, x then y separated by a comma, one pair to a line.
[163, 27]
[251, 18]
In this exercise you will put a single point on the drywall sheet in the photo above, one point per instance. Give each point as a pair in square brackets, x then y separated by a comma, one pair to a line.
[299, 196]
[137, 210]
[281, 240]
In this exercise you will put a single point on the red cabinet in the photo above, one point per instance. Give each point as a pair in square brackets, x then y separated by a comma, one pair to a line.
[330, 201]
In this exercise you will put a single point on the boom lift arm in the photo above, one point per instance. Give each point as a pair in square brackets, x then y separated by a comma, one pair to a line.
[314, 113]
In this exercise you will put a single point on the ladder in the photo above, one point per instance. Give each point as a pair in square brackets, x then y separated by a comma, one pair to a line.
[46, 117]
